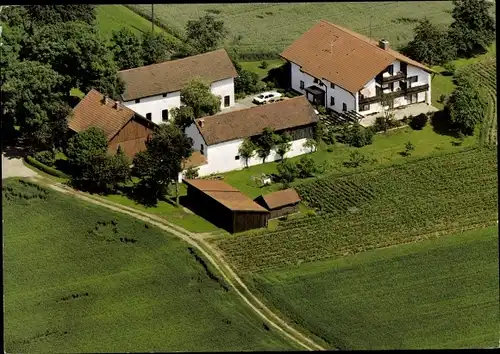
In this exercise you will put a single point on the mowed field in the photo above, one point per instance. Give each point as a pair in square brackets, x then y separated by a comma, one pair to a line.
[436, 294]
[269, 28]
[78, 278]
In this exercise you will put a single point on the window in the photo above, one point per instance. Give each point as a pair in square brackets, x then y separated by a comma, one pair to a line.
[344, 107]
[403, 67]
[301, 84]
[332, 101]
[164, 95]
[413, 98]
[390, 69]
[237, 157]
[202, 148]
[364, 107]
[227, 101]
[148, 116]
[164, 115]
[332, 85]
[412, 79]
[138, 100]
[316, 81]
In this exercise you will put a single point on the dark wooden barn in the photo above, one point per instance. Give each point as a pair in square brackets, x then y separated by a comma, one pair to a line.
[224, 206]
[280, 203]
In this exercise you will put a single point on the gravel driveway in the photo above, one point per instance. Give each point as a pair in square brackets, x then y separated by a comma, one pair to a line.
[14, 167]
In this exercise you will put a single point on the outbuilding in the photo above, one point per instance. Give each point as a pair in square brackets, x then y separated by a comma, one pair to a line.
[280, 203]
[224, 206]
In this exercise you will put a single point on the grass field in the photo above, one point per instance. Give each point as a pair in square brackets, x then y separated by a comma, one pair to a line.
[270, 28]
[255, 66]
[78, 278]
[439, 293]
[381, 207]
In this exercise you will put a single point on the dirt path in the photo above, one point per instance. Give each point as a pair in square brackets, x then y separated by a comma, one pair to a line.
[210, 255]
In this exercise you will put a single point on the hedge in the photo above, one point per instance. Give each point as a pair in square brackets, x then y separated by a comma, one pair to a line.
[49, 170]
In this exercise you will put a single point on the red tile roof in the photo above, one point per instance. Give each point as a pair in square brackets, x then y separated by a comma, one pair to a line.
[173, 75]
[225, 194]
[195, 160]
[346, 58]
[290, 113]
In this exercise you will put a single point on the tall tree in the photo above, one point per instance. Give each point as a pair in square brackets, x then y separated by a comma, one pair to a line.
[206, 33]
[77, 52]
[160, 164]
[473, 28]
[155, 48]
[32, 100]
[197, 95]
[430, 45]
[266, 142]
[42, 15]
[246, 150]
[284, 144]
[127, 49]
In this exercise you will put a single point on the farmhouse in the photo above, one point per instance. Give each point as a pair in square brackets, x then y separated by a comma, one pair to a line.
[219, 137]
[347, 72]
[280, 203]
[154, 90]
[123, 127]
[224, 205]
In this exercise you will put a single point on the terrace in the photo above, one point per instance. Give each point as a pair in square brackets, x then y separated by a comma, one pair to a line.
[379, 96]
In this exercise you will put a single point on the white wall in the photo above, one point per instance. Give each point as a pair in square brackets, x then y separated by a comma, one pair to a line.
[155, 104]
[193, 132]
[221, 157]
[341, 95]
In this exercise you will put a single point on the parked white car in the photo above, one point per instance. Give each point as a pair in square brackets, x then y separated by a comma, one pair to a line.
[266, 97]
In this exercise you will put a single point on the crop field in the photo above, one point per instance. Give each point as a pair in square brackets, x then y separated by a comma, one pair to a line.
[78, 278]
[434, 294]
[377, 208]
[270, 28]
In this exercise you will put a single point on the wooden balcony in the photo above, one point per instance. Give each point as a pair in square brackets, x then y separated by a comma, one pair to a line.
[391, 78]
[394, 94]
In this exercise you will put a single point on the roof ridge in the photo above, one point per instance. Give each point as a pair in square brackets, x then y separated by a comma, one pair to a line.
[175, 60]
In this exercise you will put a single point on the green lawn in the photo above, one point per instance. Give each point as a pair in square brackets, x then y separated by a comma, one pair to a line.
[385, 149]
[255, 66]
[72, 285]
[441, 293]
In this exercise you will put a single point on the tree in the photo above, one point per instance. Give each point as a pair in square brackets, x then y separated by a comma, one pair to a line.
[247, 149]
[32, 100]
[284, 144]
[76, 51]
[84, 145]
[287, 171]
[127, 49]
[466, 107]
[306, 167]
[430, 45]
[473, 28]
[182, 116]
[310, 144]
[155, 48]
[41, 15]
[197, 95]
[206, 33]
[161, 162]
[266, 142]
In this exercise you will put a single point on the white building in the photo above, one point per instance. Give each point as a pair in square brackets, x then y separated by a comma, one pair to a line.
[218, 138]
[153, 90]
[347, 72]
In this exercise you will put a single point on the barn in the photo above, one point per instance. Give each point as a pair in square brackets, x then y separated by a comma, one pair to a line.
[224, 206]
[122, 126]
[280, 203]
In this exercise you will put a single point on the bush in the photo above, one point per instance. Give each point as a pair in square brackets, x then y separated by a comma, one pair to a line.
[306, 167]
[270, 85]
[356, 135]
[329, 149]
[409, 147]
[191, 173]
[418, 122]
[442, 98]
[450, 68]
[264, 65]
[47, 169]
[287, 171]
[239, 95]
[46, 157]
[356, 159]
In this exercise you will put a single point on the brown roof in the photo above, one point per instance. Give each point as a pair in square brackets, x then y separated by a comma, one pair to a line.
[196, 159]
[173, 75]
[225, 194]
[281, 198]
[91, 111]
[247, 122]
[346, 58]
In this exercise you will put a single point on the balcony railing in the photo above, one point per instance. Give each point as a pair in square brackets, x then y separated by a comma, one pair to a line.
[394, 94]
[381, 79]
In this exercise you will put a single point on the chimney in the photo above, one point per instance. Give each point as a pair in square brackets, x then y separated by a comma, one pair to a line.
[117, 105]
[383, 44]
[104, 100]
[202, 122]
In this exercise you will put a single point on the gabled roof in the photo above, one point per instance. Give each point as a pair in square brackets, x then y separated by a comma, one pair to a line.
[225, 194]
[92, 111]
[346, 58]
[286, 114]
[281, 198]
[173, 75]
[195, 160]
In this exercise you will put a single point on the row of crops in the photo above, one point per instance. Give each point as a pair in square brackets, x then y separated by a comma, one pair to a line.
[379, 208]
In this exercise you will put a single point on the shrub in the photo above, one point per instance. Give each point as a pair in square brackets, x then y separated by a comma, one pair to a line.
[419, 122]
[442, 98]
[270, 85]
[306, 167]
[356, 135]
[406, 119]
[264, 65]
[287, 171]
[46, 157]
[239, 95]
[450, 67]
[409, 147]
[47, 169]
[329, 149]
[191, 173]
[356, 159]
[321, 110]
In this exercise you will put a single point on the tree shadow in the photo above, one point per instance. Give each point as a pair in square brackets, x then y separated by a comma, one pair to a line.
[279, 76]
[140, 193]
[441, 124]
[16, 152]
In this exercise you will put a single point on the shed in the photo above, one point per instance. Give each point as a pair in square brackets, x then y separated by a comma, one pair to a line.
[280, 203]
[224, 206]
